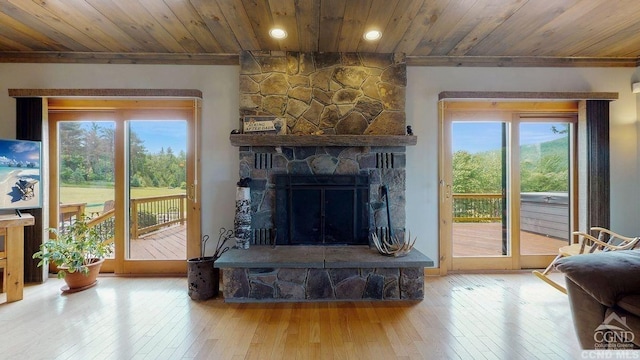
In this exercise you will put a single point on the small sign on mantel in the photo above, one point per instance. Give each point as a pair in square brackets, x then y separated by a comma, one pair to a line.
[263, 125]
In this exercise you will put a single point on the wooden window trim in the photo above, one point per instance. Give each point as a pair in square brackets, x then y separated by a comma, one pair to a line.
[104, 93]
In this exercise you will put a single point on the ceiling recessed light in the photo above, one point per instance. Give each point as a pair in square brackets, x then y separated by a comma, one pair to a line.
[372, 35]
[277, 33]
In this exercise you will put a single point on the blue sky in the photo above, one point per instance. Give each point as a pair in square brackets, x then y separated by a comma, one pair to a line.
[162, 134]
[484, 136]
[155, 134]
[20, 150]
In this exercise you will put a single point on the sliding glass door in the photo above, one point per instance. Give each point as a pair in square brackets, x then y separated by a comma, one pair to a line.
[131, 172]
[157, 189]
[479, 186]
[86, 174]
[506, 197]
[545, 184]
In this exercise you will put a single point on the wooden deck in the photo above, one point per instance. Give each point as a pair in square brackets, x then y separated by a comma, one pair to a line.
[485, 239]
[165, 244]
[470, 239]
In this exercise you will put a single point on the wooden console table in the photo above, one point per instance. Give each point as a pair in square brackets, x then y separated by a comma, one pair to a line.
[12, 253]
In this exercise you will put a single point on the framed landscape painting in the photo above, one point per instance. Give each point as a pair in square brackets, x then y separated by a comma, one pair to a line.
[20, 182]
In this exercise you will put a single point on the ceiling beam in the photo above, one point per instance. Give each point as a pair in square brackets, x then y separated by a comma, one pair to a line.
[233, 59]
[118, 58]
[521, 61]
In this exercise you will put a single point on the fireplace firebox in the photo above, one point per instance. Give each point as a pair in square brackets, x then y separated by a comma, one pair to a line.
[322, 209]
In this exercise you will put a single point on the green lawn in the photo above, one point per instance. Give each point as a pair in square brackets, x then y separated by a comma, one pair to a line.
[96, 196]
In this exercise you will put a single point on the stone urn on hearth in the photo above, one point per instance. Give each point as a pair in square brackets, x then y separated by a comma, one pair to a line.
[242, 221]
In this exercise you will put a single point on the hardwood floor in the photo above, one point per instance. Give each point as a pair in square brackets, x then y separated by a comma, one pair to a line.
[463, 316]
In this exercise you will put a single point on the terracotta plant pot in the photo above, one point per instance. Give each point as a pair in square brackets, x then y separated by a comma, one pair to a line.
[78, 281]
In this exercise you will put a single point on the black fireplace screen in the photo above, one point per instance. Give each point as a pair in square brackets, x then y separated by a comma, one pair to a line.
[322, 209]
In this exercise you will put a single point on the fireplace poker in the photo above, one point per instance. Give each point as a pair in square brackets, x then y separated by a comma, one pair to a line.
[223, 237]
[204, 245]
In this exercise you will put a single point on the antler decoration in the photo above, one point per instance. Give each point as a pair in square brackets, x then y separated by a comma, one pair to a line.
[394, 246]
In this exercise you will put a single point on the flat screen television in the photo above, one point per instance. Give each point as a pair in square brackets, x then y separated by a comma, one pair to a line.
[20, 182]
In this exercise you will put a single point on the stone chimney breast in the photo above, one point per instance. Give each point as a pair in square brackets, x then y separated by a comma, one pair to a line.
[358, 95]
[326, 93]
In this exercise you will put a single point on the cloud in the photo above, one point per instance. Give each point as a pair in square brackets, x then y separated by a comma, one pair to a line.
[20, 147]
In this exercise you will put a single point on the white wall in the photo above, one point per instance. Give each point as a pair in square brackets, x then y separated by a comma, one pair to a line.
[219, 86]
[425, 83]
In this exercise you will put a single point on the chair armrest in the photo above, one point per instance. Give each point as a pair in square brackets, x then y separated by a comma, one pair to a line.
[611, 233]
[607, 276]
[628, 242]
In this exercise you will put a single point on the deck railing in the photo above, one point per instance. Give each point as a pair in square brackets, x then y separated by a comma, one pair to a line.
[545, 213]
[105, 223]
[477, 207]
[70, 212]
[152, 213]
[147, 214]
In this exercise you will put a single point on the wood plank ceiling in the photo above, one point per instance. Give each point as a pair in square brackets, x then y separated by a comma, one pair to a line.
[429, 32]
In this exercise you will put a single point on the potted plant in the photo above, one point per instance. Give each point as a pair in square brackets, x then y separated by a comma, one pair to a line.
[78, 251]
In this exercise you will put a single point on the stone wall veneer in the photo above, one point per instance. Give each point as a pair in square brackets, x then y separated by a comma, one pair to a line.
[293, 284]
[326, 93]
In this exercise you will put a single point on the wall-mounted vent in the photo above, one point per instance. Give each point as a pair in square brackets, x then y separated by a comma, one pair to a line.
[263, 161]
[264, 236]
[384, 160]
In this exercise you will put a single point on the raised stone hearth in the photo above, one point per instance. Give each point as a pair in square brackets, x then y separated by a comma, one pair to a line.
[320, 273]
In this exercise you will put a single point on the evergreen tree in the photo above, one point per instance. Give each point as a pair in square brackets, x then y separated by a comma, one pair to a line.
[87, 155]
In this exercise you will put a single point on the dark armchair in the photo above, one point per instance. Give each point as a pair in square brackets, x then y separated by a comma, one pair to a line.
[604, 294]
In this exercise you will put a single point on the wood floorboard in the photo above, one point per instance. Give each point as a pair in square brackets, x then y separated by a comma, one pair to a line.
[463, 316]
[164, 244]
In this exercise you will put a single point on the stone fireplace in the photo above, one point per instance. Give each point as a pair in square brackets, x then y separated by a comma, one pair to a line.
[326, 94]
[381, 166]
[321, 183]
[322, 209]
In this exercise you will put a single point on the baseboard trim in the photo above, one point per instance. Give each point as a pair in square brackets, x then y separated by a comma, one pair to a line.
[432, 271]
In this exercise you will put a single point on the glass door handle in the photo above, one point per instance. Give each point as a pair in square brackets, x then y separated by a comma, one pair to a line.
[191, 193]
[447, 189]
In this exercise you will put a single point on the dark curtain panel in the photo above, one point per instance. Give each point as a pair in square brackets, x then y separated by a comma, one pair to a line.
[598, 190]
[29, 127]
